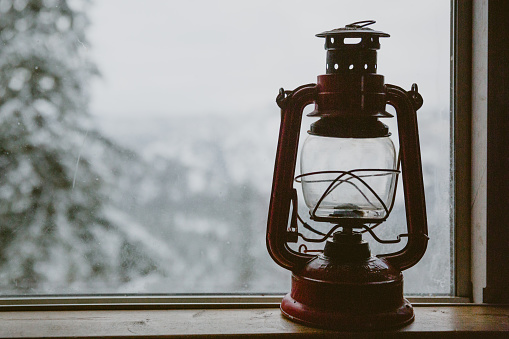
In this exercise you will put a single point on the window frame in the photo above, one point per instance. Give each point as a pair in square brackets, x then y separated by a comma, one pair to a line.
[495, 230]
[480, 154]
[167, 302]
[462, 20]
[461, 122]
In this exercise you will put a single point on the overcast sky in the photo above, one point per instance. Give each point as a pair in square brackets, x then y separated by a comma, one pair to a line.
[160, 58]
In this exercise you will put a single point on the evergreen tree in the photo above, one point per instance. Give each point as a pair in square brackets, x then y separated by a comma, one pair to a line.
[55, 230]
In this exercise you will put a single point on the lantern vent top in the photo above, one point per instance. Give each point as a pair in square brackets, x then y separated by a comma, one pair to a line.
[352, 49]
[354, 30]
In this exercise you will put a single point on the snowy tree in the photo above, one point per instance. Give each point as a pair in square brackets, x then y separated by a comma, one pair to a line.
[55, 228]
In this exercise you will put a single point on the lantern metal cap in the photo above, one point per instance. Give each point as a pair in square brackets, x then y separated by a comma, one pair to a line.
[354, 30]
[350, 85]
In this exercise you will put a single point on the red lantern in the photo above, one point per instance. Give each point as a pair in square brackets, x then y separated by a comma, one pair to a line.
[349, 171]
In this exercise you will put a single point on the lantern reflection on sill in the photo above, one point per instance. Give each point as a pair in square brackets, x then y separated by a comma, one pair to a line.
[349, 173]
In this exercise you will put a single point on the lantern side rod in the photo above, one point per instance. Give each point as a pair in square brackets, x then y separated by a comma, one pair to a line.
[406, 104]
[292, 106]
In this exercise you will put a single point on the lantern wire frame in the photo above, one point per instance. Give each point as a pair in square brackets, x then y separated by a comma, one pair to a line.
[335, 184]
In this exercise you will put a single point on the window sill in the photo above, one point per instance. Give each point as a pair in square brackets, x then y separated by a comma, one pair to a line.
[442, 321]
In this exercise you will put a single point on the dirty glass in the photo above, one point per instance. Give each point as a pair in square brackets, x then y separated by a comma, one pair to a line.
[138, 138]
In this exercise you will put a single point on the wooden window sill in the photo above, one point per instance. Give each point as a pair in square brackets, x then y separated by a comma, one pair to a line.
[441, 321]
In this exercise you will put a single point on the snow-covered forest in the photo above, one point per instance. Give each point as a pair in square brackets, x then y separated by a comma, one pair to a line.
[132, 205]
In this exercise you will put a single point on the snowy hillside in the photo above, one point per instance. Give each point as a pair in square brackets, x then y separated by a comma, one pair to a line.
[209, 178]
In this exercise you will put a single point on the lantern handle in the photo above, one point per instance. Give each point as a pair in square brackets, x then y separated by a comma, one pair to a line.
[360, 24]
[292, 104]
[406, 105]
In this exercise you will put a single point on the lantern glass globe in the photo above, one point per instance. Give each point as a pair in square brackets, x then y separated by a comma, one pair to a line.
[348, 177]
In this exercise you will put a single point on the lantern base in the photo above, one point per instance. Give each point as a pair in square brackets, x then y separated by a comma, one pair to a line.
[346, 288]
[345, 321]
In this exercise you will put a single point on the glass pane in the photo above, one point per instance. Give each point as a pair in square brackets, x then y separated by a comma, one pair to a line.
[138, 138]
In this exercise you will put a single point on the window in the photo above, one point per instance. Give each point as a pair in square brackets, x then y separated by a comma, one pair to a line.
[164, 187]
